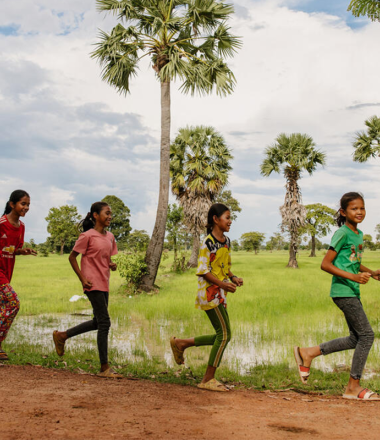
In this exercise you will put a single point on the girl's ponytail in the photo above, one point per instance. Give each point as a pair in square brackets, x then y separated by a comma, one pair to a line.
[217, 209]
[8, 208]
[15, 197]
[344, 202]
[89, 221]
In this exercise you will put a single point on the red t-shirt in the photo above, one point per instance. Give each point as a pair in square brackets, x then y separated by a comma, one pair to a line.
[96, 250]
[11, 239]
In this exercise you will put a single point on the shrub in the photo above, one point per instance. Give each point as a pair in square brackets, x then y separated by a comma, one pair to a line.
[131, 267]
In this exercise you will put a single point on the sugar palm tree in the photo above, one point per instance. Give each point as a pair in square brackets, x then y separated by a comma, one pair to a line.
[291, 155]
[370, 8]
[368, 144]
[184, 39]
[199, 168]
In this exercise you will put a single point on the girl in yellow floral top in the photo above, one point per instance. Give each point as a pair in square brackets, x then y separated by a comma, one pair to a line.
[215, 279]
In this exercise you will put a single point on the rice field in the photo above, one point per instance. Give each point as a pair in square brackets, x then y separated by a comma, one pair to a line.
[274, 310]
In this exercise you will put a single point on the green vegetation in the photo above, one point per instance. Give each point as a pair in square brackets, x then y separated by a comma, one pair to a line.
[275, 310]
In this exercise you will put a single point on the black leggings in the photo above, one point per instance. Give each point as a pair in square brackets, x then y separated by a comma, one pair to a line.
[100, 322]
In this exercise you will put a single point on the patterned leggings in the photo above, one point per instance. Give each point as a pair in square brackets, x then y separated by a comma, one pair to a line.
[9, 307]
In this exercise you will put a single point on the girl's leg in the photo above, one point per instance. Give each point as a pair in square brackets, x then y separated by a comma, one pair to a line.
[9, 307]
[361, 339]
[100, 322]
[99, 301]
[220, 321]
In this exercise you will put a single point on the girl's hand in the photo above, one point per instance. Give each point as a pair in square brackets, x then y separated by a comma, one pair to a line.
[238, 281]
[362, 278]
[376, 274]
[86, 283]
[229, 287]
[28, 251]
[113, 266]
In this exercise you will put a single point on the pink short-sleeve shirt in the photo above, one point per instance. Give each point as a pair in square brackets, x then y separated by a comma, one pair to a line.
[96, 250]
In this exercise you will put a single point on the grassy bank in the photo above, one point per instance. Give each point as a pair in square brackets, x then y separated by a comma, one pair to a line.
[276, 309]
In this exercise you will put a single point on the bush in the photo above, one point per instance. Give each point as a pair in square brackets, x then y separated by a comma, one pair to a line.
[131, 267]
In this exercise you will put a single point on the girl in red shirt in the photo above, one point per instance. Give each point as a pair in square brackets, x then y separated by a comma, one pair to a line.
[11, 241]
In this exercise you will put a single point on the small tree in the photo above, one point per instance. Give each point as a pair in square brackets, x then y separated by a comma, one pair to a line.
[138, 240]
[251, 241]
[226, 198]
[377, 230]
[319, 219]
[63, 225]
[120, 226]
[235, 245]
[368, 243]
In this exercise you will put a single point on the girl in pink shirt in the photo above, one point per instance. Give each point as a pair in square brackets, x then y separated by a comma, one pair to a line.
[96, 245]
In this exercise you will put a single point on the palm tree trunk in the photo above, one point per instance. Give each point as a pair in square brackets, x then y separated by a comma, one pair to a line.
[293, 213]
[156, 244]
[312, 253]
[193, 262]
[293, 249]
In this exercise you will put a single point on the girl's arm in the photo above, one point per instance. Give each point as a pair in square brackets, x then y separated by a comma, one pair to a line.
[74, 264]
[230, 287]
[234, 279]
[26, 251]
[328, 266]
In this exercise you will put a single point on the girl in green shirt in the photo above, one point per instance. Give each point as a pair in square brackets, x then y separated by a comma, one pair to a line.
[343, 261]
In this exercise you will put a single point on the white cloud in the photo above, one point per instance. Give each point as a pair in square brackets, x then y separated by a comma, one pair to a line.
[297, 72]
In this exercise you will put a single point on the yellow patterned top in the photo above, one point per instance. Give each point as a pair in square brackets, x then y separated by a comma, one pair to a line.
[214, 257]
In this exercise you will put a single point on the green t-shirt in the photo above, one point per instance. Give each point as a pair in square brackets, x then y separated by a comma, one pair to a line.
[349, 248]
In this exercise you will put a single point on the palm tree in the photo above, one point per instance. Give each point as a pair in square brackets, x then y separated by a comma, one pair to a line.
[368, 144]
[370, 8]
[199, 167]
[185, 39]
[292, 154]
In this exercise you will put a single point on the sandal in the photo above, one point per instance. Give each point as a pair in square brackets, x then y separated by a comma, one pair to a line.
[110, 374]
[304, 372]
[177, 353]
[365, 394]
[3, 355]
[59, 345]
[212, 385]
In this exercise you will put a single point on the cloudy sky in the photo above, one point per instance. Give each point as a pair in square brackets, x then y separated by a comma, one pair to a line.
[68, 138]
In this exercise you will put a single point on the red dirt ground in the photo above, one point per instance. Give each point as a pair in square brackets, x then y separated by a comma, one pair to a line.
[38, 403]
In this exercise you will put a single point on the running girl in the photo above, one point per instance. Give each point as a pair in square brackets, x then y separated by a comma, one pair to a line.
[96, 245]
[343, 261]
[11, 241]
[214, 281]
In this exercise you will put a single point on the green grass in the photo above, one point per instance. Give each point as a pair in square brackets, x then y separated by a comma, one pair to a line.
[276, 309]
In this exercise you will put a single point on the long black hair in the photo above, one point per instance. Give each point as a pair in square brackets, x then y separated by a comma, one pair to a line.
[89, 222]
[15, 197]
[217, 209]
[344, 202]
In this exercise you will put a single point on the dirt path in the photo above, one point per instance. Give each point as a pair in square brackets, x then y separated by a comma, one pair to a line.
[38, 403]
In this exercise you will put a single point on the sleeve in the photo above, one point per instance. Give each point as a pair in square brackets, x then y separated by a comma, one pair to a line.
[204, 264]
[114, 246]
[338, 240]
[81, 244]
[21, 238]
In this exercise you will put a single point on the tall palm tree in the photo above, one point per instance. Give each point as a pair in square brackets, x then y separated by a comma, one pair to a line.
[184, 39]
[370, 8]
[199, 168]
[368, 144]
[291, 155]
